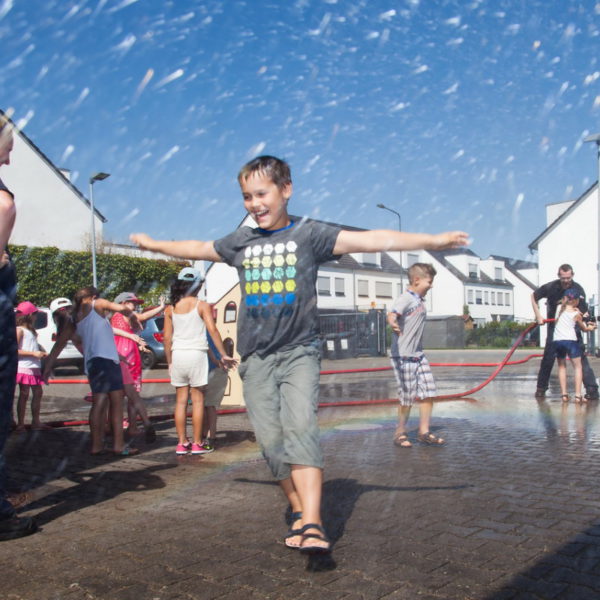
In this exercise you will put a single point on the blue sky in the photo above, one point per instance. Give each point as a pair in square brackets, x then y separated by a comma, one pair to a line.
[459, 115]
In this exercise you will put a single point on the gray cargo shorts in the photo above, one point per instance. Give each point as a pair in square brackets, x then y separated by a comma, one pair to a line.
[281, 392]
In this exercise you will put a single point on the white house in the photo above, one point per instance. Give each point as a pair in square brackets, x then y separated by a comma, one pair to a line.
[571, 236]
[51, 211]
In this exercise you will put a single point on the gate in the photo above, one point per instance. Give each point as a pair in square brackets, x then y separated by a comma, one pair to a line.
[350, 334]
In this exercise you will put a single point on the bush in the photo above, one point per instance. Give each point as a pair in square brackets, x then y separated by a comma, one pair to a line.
[46, 273]
[496, 334]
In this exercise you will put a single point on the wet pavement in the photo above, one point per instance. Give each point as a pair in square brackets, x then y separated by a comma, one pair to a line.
[509, 508]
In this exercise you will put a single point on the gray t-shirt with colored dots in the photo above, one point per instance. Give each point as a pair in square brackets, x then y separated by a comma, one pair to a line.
[278, 273]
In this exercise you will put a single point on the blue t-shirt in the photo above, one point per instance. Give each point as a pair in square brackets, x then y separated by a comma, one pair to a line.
[278, 273]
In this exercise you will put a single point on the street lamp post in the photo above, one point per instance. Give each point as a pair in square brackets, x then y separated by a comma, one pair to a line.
[392, 211]
[384, 207]
[97, 177]
[595, 137]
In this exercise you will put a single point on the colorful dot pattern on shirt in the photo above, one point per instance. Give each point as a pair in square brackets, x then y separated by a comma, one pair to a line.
[270, 278]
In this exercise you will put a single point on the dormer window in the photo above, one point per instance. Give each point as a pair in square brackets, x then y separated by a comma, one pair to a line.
[498, 274]
[473, 270]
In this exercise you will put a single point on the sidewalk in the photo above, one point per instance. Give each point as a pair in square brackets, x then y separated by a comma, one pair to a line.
[507, 509]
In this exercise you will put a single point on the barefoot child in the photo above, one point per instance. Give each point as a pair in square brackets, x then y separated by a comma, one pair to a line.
[29, 370]
[411, 368]
[89, 326]
[277, 264]
[566, 344]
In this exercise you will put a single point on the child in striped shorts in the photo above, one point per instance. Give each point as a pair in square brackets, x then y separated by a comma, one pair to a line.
[411, 367]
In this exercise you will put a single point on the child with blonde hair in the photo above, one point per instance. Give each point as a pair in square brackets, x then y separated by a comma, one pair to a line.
[566, 344]
[411, 367]
[29, 370]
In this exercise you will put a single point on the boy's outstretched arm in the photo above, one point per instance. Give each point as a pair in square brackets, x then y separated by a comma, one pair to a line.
[191, 249]
[378, 240]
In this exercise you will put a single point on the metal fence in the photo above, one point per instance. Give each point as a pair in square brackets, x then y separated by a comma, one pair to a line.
[350, 334]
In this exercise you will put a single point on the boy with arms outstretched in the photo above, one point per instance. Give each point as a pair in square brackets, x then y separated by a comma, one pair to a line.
[277, 263]
[411, 367]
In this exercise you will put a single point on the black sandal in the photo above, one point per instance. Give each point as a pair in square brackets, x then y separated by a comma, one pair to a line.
[431, 439]
[296, 516]
[317, 536]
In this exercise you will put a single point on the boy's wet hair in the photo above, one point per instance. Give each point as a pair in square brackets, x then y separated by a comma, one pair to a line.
[276, 169]
[421, 270]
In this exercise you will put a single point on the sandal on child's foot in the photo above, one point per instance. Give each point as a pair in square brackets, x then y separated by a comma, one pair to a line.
[565, 397]
[315, 547]
[293, 532]
[401, 440]
[431, 439]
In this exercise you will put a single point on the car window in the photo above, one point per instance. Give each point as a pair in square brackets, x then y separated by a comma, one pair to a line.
[41, 320]
[160, 323]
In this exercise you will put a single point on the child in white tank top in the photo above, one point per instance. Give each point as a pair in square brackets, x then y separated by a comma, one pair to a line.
[186, 323]
[566, 344]
[92, 332]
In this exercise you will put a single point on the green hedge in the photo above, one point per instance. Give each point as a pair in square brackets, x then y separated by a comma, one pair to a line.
[496, 334]
[47, 273]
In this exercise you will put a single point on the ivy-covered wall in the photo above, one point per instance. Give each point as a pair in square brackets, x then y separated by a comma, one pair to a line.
[47, 273]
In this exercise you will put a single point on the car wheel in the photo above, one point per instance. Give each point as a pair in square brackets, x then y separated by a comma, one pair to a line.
[148, 359]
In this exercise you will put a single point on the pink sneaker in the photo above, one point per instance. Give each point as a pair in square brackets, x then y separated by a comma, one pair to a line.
[198, 449]
[182, 449]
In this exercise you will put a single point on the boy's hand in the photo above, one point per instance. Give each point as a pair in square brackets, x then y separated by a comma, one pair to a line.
[142, 240]
[450, 239]
[228, 363]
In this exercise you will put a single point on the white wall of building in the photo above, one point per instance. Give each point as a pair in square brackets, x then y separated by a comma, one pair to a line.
[573, 240]
[49, 211]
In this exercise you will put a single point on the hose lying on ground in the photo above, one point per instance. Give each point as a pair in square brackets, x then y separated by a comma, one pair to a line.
[225, 411]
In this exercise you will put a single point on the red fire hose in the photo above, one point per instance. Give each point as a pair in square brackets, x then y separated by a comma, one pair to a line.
[225, 411]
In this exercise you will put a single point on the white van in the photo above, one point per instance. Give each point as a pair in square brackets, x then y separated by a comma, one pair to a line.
[46, 330]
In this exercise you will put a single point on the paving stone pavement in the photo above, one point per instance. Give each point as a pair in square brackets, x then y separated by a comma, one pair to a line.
[508, 509]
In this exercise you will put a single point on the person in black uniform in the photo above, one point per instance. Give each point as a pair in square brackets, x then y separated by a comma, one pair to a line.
[11, 526]
[553, 292]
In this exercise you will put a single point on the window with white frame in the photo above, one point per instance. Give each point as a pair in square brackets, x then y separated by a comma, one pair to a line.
[340, 288]
[324, 286]
[370, 258]
[486, 297]
[506, 299]
[383, 289]
[493, 298]
[498, 273]
[500, 298]
[478, 297]
[469, 296]
[473, 270]
[411, 259]
[362, 288]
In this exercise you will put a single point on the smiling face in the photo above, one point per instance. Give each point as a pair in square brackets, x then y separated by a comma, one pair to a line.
[566, 278]
[265, 201]
[421, 285]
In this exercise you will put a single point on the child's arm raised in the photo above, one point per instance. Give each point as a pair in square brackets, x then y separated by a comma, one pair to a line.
[386, 240]
[191, 249]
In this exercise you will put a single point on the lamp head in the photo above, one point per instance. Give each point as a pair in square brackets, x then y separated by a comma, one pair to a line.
[595, 137]
[99, 176]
